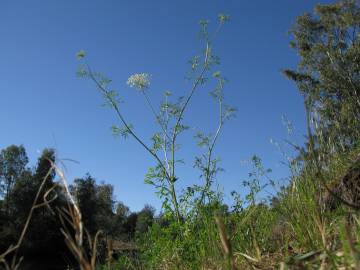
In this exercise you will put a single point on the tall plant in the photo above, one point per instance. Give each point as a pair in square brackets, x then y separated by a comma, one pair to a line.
[170, 120]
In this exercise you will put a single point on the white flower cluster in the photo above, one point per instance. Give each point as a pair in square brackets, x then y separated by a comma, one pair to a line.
[140, 81]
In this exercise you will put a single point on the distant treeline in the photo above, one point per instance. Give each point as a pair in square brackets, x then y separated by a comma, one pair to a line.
[19, 185]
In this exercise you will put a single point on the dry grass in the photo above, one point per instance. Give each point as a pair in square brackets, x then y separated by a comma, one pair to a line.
[13, 249]
[72, 225]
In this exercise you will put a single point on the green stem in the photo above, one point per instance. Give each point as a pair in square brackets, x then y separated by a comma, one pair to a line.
[177, 125]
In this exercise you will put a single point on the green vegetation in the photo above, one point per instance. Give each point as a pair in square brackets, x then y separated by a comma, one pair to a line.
[311, 223]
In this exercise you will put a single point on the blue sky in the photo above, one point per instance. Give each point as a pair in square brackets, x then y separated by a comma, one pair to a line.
[43, 103]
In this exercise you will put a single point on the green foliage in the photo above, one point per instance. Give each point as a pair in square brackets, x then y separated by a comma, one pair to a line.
[293, 229]
[182, 246]
[327, 75]
[13, 161]
[81, 54]
[145, 219]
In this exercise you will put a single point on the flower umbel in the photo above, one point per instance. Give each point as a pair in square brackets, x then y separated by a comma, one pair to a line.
[140, 81]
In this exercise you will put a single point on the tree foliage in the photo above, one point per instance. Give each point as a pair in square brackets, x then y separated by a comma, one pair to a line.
[328, 43]
[96, 201]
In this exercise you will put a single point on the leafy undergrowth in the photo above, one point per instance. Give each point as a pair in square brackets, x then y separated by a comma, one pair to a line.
[293, 231]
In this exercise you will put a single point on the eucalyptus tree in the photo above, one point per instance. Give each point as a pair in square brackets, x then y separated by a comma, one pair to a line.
[328, 43]
[13, 161]
[96, 203]
[169, 118]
